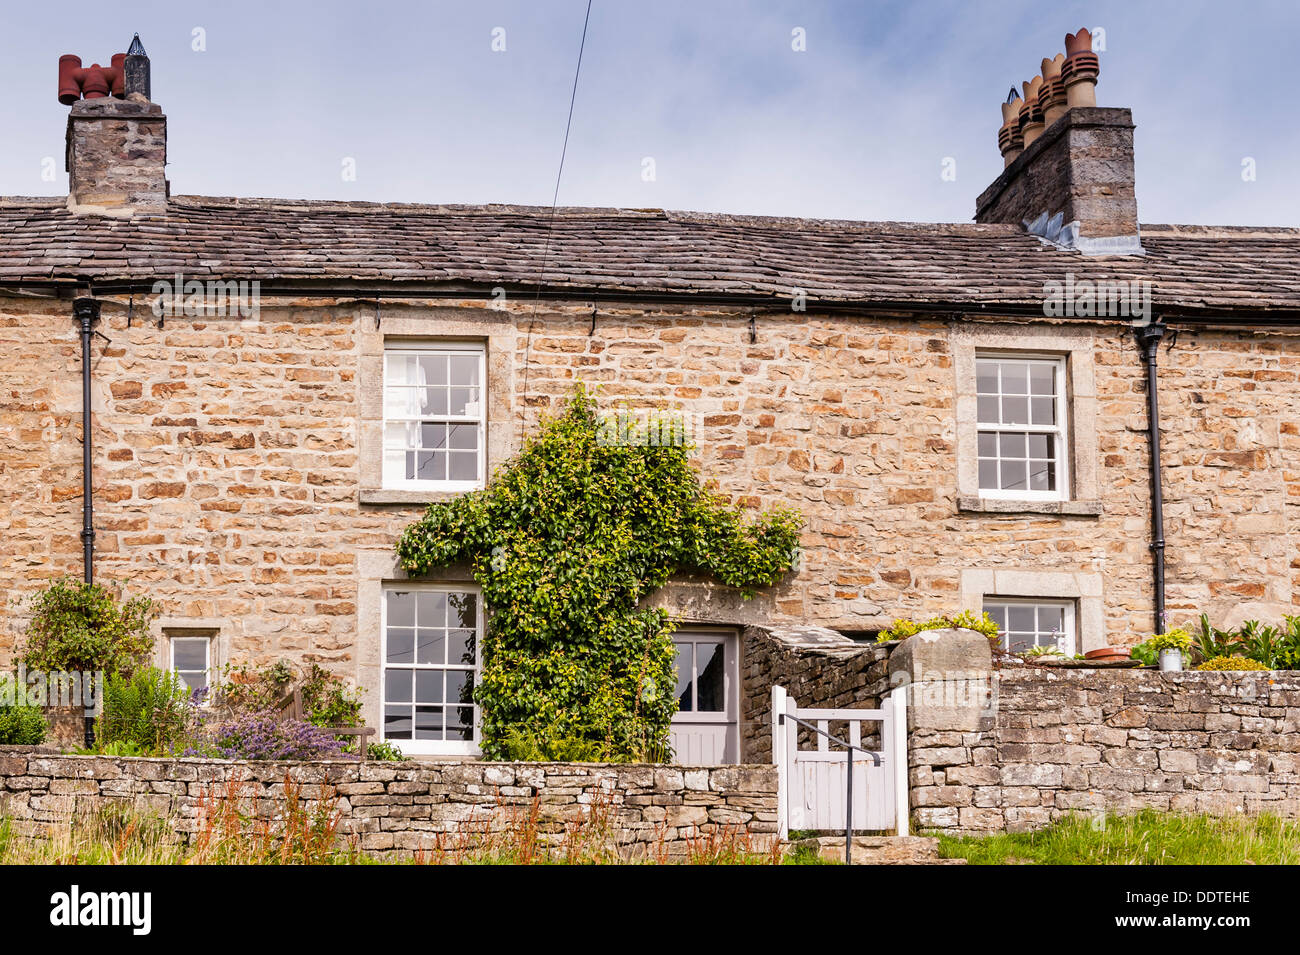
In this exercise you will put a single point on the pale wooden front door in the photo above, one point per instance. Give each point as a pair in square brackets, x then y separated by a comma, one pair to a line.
[706, 729]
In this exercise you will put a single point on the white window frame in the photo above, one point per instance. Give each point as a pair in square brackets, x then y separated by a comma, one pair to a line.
[726, 640]
[1069, 639]
[405, 348]
[173, 639]
[1059, 432]
[430, 747]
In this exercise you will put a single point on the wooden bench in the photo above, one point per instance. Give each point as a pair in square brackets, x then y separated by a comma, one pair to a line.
[291, 708]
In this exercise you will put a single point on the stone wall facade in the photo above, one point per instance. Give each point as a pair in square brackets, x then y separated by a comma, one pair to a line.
[816, 667]
[230, 461]
[1083, 741]
[399, 808]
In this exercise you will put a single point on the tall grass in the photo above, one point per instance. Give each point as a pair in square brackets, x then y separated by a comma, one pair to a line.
[1147, 838]
[225, 831]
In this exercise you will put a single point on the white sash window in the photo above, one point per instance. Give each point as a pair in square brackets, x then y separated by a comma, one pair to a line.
[434, 416]
[431, 652]
[1022, 427]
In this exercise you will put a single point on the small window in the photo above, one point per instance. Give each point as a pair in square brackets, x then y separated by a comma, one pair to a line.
[431, 666]
[1022, 427]
[1025, 624]
[701, 674]
[434, 416]
[191, 659]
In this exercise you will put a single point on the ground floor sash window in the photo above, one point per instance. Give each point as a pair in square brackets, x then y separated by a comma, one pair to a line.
[431, 651]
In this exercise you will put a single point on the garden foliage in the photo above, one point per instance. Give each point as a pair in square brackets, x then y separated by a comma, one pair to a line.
[589, 519]
[150, 711]
[22, 725]
[1259, 646]
[326, 699]
[966, 620]
[87, 627]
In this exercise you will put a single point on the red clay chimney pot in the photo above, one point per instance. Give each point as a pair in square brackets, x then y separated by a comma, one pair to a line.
[93, 82]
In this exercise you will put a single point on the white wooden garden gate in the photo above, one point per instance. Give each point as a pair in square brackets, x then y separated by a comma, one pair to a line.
[812, 784]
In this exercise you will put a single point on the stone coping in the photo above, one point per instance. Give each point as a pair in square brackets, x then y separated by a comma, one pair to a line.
[413, 763]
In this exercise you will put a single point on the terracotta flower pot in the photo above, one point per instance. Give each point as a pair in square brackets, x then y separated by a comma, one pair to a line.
[1107, 654]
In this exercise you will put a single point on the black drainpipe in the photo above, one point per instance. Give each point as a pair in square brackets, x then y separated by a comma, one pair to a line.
[86, 311]
[1148, 338]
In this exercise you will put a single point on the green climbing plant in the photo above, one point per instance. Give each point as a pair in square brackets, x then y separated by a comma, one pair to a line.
[593, 515]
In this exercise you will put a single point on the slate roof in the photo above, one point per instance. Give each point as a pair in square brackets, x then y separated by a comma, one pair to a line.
[629, 250]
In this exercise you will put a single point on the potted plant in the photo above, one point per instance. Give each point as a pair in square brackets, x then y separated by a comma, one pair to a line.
[1170, 647]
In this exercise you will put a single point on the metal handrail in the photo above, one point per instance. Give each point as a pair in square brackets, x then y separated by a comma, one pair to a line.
[848, 804]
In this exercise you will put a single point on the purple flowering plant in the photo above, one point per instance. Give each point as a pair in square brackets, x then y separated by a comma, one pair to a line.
[262, 735]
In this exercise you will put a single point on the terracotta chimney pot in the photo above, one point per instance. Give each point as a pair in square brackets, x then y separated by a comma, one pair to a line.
[1052, 95]
[1010, 142]
[1031, 114]
[1080, 69]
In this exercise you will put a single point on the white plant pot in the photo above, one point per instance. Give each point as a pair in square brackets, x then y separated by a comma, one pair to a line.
[1171, 661]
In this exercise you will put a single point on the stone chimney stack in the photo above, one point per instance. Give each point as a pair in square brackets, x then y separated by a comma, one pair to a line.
[1072, 183]
[117, 139]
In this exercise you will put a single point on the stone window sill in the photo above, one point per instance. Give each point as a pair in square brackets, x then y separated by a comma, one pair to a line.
[377, 495]
[982, 505]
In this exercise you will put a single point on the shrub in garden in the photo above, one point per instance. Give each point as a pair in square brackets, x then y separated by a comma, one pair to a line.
[966, 620]
[1148, 651]
[522, 744]
[1210, 642]
[571, 535]
[151, 711]
[1275, 647]
[385, 752]
[1262, 643]
[1231, 663]
[328, 701]
[1144, 654]
[87, 627]
[22, 725]
[248, 689]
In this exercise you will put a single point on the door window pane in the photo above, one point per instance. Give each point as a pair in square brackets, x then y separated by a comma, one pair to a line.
[685, 677]
[710, 678]
[701, 676]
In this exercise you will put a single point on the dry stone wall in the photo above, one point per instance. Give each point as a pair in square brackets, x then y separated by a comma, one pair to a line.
[400, 808]
[1067, 741]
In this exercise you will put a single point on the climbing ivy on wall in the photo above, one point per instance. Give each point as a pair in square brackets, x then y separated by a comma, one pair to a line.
[588, 519]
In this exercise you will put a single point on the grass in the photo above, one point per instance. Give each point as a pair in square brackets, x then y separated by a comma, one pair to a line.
[305, 831]
[225, 831]
[1146, 838]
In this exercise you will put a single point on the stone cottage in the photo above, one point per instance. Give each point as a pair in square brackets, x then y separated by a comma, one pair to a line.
[273, 389]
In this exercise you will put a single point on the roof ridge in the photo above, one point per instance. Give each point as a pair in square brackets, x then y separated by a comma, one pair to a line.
[594, 212]
[1219, 231]
[681, 216]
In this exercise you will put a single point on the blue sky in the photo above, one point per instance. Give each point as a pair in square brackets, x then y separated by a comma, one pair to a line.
[856, 126]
